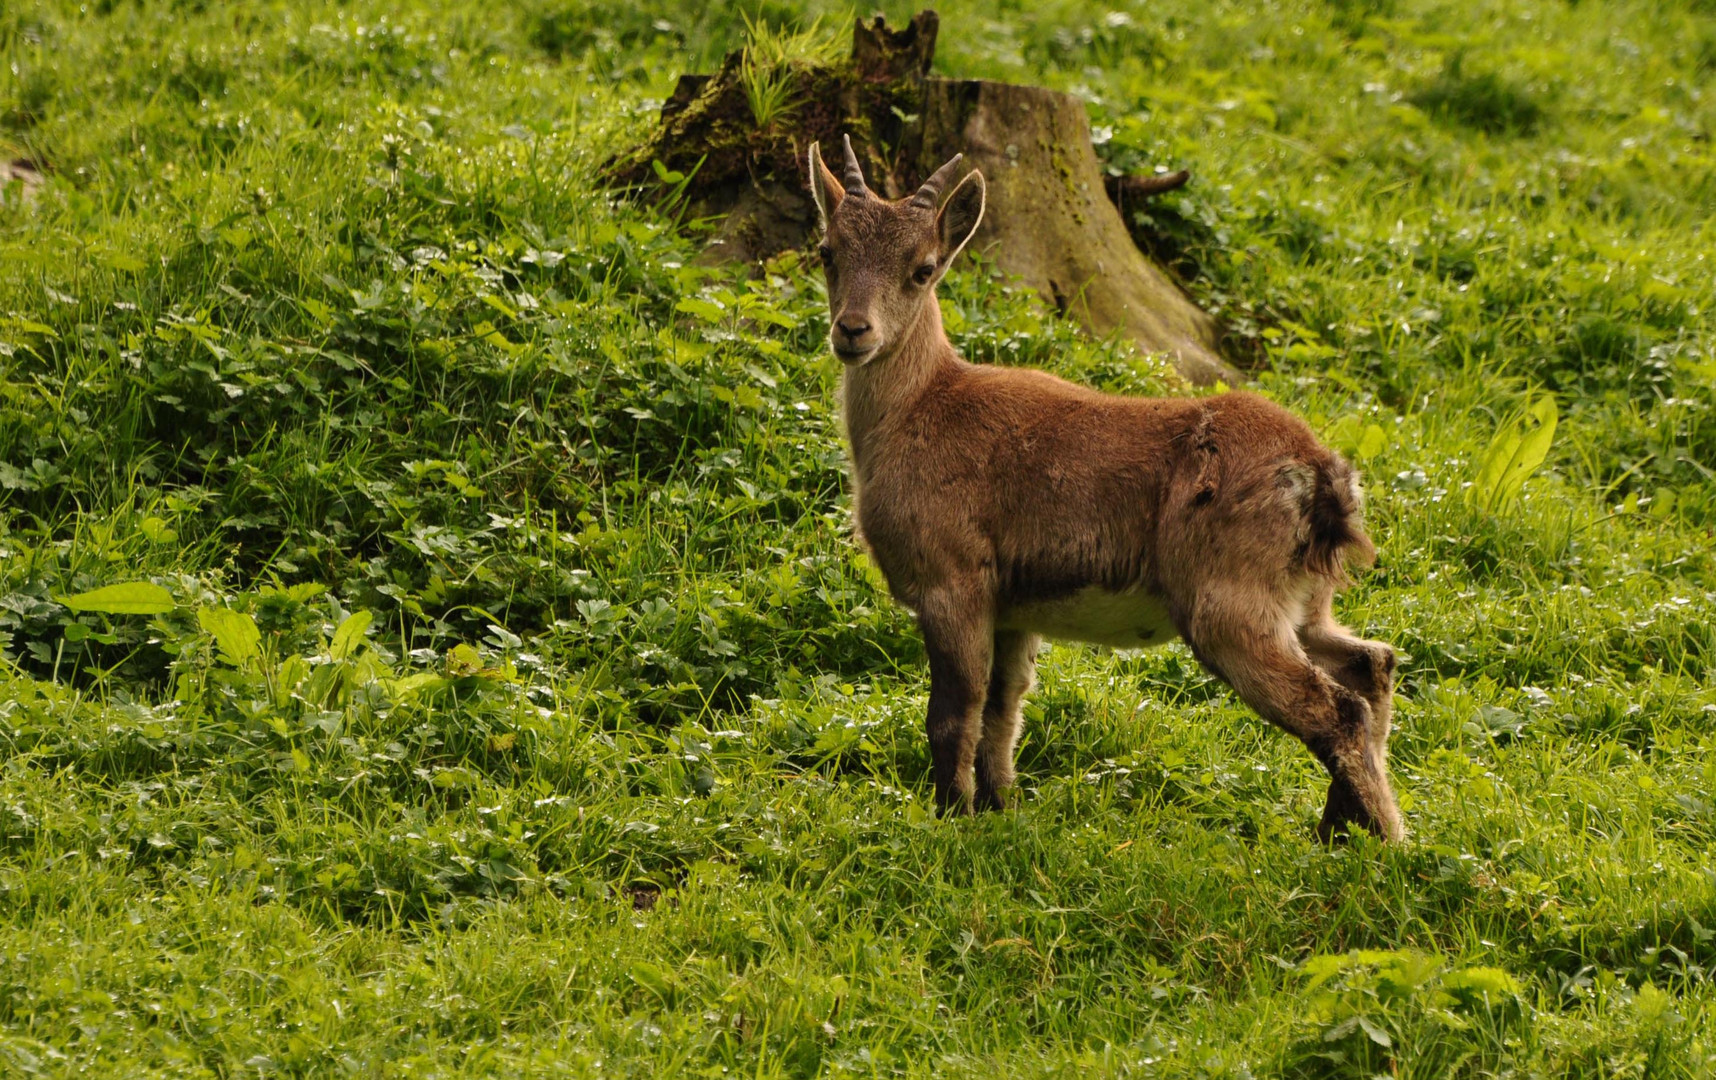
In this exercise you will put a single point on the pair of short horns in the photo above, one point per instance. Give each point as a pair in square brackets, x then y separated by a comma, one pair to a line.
[852, 177]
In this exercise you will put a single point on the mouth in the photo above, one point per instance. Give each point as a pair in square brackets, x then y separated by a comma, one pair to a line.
[851, 355]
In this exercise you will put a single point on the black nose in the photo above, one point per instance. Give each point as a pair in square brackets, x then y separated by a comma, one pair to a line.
[852, 330]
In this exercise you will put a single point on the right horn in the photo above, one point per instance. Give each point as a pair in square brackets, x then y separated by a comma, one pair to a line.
[930, 194]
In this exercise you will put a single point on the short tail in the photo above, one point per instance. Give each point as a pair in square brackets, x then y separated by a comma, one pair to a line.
[1336, 518]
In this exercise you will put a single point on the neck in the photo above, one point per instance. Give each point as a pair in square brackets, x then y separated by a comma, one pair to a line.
[873, 392]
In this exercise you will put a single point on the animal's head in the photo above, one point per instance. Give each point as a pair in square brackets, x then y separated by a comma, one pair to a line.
[883, 258]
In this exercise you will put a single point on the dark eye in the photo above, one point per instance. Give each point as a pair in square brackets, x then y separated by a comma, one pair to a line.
[923, 273]
[826, 253]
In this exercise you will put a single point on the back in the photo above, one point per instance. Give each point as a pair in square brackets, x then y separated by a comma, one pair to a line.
[1073, 479]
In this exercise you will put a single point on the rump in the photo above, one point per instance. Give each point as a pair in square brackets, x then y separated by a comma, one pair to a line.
[1253, 493]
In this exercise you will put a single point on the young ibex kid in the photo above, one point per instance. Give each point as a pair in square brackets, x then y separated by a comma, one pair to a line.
[1004, 505]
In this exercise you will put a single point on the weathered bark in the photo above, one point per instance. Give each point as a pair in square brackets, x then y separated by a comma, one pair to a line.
[24, 173]
[1050, 219]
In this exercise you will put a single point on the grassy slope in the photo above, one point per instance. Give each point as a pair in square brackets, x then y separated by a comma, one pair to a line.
[318, 314]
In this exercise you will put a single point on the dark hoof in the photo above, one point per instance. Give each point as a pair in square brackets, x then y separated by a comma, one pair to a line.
[955, 807]
[1341, 811]
[996, 798]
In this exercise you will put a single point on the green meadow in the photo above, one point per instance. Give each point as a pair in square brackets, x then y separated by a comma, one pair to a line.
[433, 643]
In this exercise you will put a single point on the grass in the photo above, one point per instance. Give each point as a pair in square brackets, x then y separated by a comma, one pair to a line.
[573, 738]
[765, 69]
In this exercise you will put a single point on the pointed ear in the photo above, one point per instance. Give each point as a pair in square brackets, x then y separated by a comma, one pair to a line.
[824, 187]
[959, 217]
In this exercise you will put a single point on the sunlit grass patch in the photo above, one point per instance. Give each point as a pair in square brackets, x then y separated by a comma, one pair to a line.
[1484, 100]
[433, 640]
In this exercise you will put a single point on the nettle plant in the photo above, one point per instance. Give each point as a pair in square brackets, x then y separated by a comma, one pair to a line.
[288, 659]
[1367, 1010]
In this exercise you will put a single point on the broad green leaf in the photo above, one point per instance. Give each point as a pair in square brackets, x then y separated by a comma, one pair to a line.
[1514, 454]
[1488, 982]
[350, 634]
[755, 307]
[415, 684]
[131, 598]
[325, 684]
[124, 263]
[1344, 434]
[157, 530]
[234, 632]
[1374, 1033]
[1321, 969]
[288, 677]
[1503, 448]
[657, 980]
[1372, 442]
[28, 326]
[500, 305]
[1534, 448]
[485, 331]
[462, 660]
[317, 310]
[707, 310]
[456, 777]
[1655, 1007]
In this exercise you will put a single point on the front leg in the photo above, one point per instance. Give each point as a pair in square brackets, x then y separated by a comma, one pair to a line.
[1013, 666]
[958, 636]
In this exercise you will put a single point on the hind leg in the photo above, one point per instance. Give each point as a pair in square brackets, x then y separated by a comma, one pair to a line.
[1250, 641]
[1364, 667]
[1010, 677]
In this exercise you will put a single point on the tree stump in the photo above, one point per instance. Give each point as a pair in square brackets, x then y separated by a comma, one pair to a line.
[1051, 217]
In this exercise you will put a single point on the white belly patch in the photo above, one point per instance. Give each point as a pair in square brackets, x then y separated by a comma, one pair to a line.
[1131, 619]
